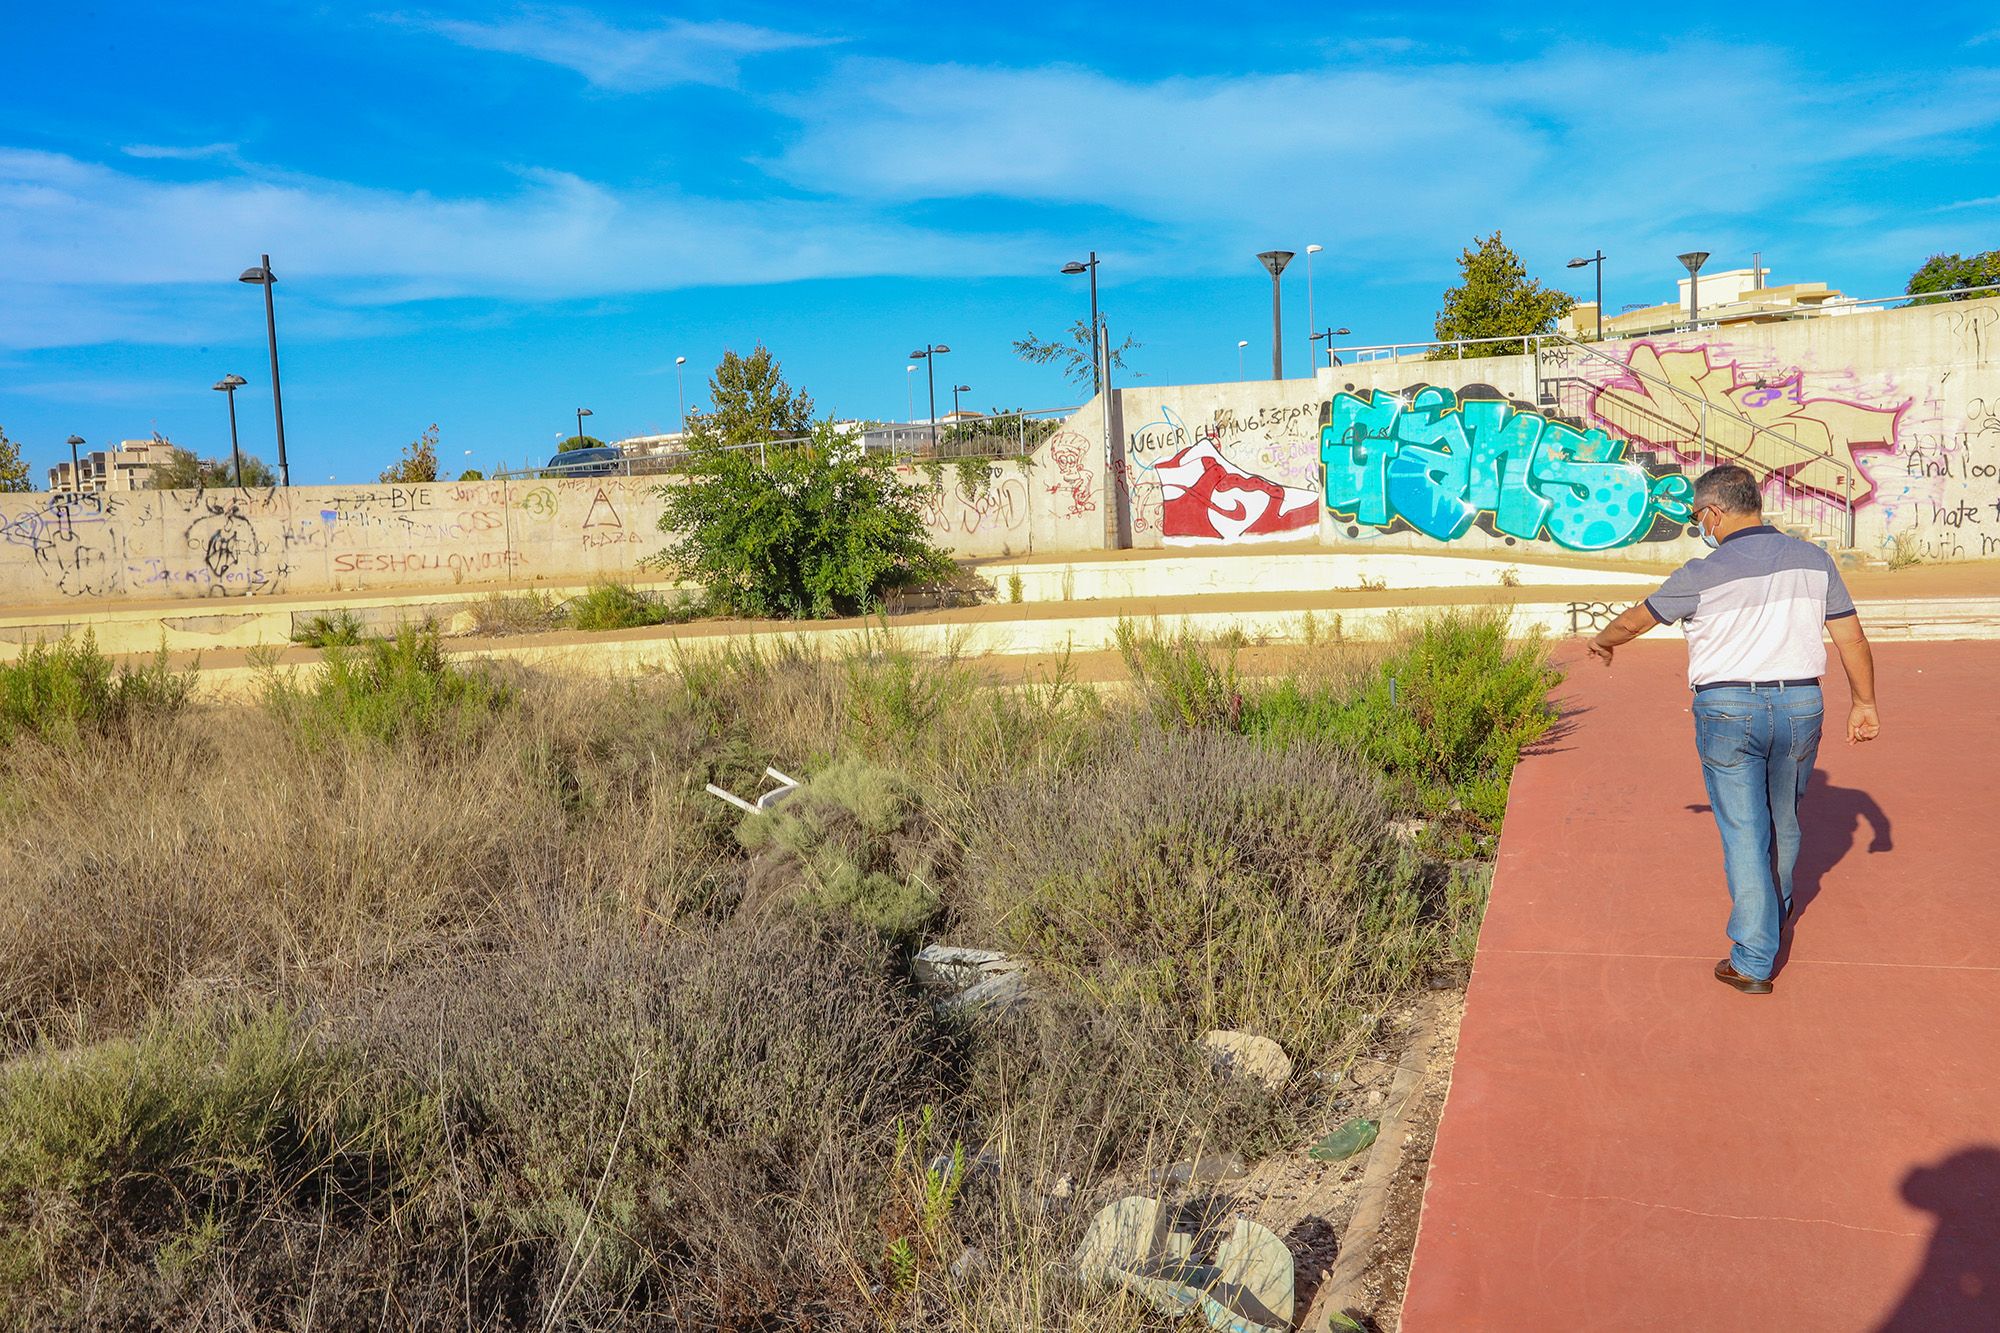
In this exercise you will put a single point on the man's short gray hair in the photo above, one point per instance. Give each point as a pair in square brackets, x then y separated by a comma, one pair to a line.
[1730, 488]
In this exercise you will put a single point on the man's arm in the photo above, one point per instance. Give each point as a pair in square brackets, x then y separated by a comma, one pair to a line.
[1859, 660]
[1631, 623]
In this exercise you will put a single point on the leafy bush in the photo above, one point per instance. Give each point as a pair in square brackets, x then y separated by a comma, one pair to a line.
[1446, 716]
[387, 690]
[1186, 680]
[62, 691]
[608, 606]
[340, 629]
[513, 613]
[815, 529]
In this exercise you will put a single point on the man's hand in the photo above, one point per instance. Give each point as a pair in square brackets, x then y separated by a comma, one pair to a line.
[1630, 624]
[1862, 724]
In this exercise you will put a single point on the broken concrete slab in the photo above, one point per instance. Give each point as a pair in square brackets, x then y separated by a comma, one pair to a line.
[1243, 1284]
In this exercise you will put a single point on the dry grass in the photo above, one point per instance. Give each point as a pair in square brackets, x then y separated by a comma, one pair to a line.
[529, 1032]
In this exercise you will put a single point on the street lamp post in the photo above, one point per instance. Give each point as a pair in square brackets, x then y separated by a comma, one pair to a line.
[229, 384]
[1311, 250]
[263, 277]
[1327, 336]
[581, 413]
[1597, 260]
[1693, 260]
[910, 395]
[680, 391]
[928, 354]
[1275, 261]
[956, 390]
[1241, 343]
[1097, 353]
[75, 465]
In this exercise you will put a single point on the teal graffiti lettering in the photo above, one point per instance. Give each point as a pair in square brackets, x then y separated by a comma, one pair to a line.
[1437, 464]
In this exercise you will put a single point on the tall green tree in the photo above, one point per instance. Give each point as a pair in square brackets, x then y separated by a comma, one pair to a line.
[184, 470]
[1495, 298]
[13, 467]
[1942, 277]
[816, 528]
[1071, 354]
[575, 442]
[749, 402]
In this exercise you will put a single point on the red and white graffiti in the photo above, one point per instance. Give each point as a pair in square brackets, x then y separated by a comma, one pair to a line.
[1207, 498]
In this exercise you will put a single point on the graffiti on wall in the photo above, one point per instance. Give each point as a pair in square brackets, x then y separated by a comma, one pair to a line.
[75, 539]
[1190, 489]
[1437, 463]
[1660, 405]
[1073, 490]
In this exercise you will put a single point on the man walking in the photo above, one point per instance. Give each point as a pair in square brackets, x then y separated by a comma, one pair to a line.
[1753, 613]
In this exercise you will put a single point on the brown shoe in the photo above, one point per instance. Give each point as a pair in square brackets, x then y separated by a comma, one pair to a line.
[1729, 976]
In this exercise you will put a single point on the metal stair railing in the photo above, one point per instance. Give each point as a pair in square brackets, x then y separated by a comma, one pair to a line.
[1763, 448]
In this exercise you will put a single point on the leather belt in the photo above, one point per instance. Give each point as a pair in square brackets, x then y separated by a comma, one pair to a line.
[1756, 684]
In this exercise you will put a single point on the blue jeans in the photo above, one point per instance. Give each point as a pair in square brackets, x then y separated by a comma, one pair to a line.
[1757, 751]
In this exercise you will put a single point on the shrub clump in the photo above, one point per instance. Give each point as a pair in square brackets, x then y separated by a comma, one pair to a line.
[149, 1160]
[321, 630]
[1233, 884]
[386, 690]
[812, 529]
[850, 841]
[65, 691]
[608, 606]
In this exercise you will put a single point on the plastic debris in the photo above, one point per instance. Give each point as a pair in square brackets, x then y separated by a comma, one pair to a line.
[984, 981]
[1244, 1284]
[765, 803]
[1344, 1142]
[1247, 1055]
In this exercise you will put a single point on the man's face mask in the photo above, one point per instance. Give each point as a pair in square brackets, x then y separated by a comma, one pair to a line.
[1708, 538]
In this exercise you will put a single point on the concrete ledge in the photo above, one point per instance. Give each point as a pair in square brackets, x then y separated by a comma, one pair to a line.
[1204, 575]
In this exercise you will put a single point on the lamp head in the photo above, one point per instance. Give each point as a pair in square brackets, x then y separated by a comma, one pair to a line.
[1694, 259]
[1242, 342]
[230, 383]
[1577, 263]
[1314, 249]
[1275, 260]
[680, 360]
[259, 275]
[919, 355]
[74, 439]
[585, 412]
[1342, 333]
[961, 388]
[1073, 267]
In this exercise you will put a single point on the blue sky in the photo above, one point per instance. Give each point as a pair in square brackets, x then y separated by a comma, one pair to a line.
[486, 216]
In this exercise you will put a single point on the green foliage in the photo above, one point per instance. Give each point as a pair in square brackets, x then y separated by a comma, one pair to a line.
[1495, 298]
[1446, 717]
[14, 474]
[186, 1133]
[608, 606]
[1185, 680]
[472, 474]
[419, 462]
[388, 690]
[183, 471]
[812, 529]
[67, 691]
[1941, 276]
[339, 629]
[575, 442]
[1072, 354]
[850, 842]
[750, 402]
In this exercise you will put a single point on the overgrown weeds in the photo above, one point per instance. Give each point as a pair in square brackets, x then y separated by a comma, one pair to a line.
[387, 690]
[341, 629]
[609, 606]
[68, 691]
[425, 998]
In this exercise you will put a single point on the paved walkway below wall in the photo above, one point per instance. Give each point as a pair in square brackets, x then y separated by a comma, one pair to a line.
[1628, 1144]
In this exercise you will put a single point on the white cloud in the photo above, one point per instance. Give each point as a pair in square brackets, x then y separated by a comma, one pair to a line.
[172, 153]
[620, 59]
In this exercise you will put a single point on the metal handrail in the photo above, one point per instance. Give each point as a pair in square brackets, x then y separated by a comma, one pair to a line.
[1847, 472]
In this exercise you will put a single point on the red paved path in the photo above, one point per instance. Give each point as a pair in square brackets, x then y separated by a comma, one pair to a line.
[1629, 1144]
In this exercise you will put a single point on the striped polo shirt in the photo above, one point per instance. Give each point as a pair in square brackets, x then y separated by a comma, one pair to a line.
[1753, 610]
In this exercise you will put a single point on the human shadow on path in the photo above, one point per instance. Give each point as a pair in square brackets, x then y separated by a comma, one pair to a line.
[1958, 1287]
[1830, 820]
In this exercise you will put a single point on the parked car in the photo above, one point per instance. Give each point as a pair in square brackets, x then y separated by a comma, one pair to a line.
[604, 461]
